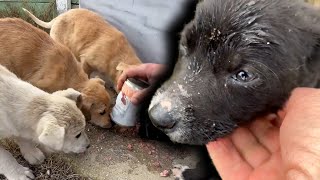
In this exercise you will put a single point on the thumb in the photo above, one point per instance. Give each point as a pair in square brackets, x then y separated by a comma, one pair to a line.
[138, 97]
[296, 99]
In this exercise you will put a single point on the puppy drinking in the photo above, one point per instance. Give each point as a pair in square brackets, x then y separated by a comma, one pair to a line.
[33, 56]
[96, 43]
[34, 117]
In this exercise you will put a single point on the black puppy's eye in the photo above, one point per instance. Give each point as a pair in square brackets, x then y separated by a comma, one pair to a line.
[78, 135]
[103, 112]
[243, 76]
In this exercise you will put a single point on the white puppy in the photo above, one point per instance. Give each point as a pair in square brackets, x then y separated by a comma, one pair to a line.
[33, 117]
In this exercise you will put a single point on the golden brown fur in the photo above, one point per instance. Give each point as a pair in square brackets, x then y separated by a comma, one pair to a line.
[96, 43]
[33, 56]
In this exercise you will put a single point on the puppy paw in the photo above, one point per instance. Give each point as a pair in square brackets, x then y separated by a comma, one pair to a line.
[21, 173]
[178, 170]
[33, 156]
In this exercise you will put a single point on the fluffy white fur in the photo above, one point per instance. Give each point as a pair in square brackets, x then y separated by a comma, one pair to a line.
[33, 117]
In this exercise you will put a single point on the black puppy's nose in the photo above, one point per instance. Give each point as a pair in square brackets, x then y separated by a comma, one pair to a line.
[161, 118]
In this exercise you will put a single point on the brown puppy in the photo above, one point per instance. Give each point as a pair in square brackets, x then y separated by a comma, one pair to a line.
[97, 44]
[33, 56]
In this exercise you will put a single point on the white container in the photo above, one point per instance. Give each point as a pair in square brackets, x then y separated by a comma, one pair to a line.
[124, 113]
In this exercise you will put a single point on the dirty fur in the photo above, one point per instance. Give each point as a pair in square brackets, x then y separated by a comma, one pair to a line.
[39, 122]
[33, 56]
[238, 59]
[97, 44]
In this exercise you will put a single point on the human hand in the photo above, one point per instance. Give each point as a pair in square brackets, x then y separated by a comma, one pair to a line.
[286, 148]
[149, 72]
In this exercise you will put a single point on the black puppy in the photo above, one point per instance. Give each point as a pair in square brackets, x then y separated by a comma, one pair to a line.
[238, 59]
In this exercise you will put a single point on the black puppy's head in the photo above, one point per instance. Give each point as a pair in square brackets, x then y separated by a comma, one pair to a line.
[238, 59]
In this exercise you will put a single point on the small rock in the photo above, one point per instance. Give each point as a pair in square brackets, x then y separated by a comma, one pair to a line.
[130, 148]
[48, 172]
[165, 173]
[157, 164]
[149, 152]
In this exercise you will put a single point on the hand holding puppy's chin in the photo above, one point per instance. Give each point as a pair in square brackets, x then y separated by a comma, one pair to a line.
[289, 147]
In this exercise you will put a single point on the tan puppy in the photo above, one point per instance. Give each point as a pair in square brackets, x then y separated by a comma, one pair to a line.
[34, 117]
[33, 56]
[96, 43]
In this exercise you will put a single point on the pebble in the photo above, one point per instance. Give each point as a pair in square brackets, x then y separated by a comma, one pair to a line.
[157, 164]
[165, 173]
[130, 148]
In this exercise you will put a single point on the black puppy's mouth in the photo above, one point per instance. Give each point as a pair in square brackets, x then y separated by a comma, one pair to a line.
[170, 129]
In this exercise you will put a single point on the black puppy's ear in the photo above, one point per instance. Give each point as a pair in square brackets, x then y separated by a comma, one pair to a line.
[309, 17]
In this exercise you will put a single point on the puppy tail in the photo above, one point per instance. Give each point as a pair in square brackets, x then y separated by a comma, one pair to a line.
[47, 25]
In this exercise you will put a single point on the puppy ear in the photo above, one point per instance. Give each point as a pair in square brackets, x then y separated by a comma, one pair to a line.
[79, 102]
[70, 94]
[100, 81]
[51, 134]
[86, 102]
[308, 18]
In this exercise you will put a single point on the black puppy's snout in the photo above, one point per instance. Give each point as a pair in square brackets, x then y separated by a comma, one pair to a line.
[161, 118]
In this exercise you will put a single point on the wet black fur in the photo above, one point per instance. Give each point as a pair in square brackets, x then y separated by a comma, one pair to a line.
[277, 41]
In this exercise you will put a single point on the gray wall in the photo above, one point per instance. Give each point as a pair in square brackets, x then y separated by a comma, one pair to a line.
[144, 22]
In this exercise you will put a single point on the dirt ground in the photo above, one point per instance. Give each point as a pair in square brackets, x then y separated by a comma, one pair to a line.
[120, 157]
[114, 156]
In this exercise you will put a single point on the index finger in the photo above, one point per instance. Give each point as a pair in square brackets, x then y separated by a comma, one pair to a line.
[132, 72]
[227, 159]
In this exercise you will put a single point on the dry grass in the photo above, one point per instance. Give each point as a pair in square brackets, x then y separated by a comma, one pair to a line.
[314, 2]
[53, 168]
[15, 10]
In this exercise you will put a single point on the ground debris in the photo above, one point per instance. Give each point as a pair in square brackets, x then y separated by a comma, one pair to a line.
[130, 147]
[165, 173]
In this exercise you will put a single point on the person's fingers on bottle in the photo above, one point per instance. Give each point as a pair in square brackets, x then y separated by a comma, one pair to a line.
[122, 78]
[157, 71]
[132, 72]
[140, 96]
